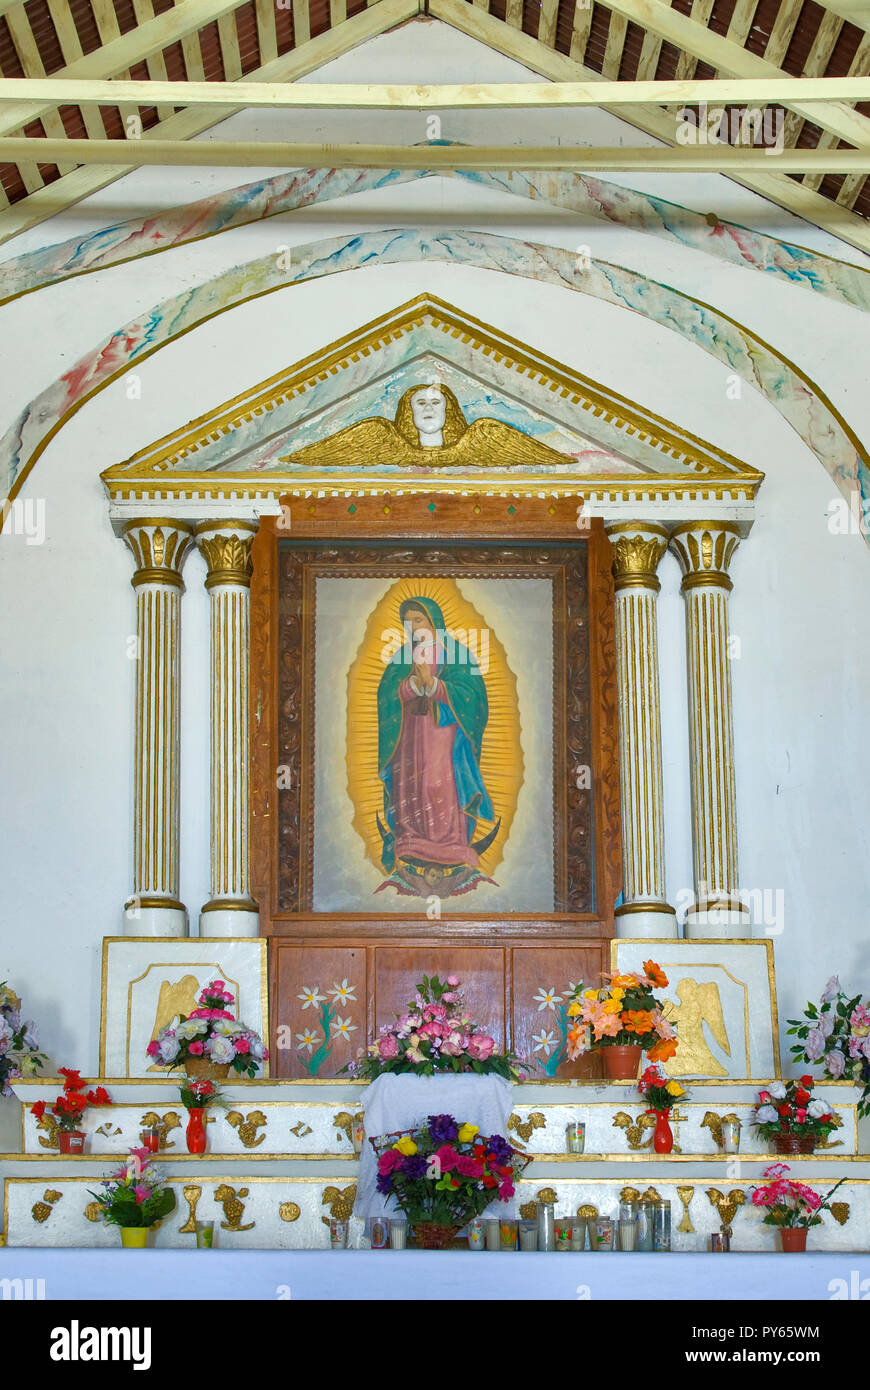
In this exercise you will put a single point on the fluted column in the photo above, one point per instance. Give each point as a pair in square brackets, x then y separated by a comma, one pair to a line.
[159, 547]
[704, 550]
[637, 549]
[226, 546]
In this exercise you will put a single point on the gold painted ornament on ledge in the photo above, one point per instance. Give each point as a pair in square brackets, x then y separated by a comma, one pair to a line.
[636, 1130]
[247, 1128]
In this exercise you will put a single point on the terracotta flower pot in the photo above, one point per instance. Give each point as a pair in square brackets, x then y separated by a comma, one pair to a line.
[204, 1066]
[71, 1141]
[430, 1236]
[794, 1238]
[622, 1062]
[134, 1237]
[794, 1143]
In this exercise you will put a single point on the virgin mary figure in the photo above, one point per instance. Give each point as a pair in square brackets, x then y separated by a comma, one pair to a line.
[432, 714]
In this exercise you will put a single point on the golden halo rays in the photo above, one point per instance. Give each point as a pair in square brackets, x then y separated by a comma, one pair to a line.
[501, 761]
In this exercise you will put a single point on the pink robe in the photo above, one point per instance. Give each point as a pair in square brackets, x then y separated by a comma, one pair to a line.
[428, 818]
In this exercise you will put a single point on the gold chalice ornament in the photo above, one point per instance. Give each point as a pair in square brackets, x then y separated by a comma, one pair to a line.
[685, 1195]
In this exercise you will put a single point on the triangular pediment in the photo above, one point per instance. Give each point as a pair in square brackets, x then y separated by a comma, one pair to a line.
[575, 434]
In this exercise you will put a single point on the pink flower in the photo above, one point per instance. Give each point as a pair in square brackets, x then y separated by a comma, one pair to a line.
[506, 1190]
[469, 1167]
[764, 1097]
[450, 998]
[388, 1161]
[801, 1116]
[142, 1192]
[447, 1157]
[452, 1045]
[153, 1048]
[435, 1011]
[215, 986]
[195, 1048]
[433, 1030]
[388, 1047]
[480, 1047]
[242, 1044]
[453, 980]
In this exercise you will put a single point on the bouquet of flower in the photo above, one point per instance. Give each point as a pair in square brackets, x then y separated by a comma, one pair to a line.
[788, 1107]
[624, 1013]
[836, 1032]
[787, 1203]
[19, 1045]
[445, 1172]
[210, 1034]
[660, 1093]
[71, 1105]
[199, 1093]
[435, 1034]
[133, 1195]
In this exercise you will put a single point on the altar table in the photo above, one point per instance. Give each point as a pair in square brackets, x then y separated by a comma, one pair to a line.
[376, 1275]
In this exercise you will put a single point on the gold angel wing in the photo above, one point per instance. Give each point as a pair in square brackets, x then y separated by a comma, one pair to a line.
[711, 1013]
[368, 443]
[493, 444]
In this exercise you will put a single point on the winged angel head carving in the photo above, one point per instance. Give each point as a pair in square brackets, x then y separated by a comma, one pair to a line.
[429, 431]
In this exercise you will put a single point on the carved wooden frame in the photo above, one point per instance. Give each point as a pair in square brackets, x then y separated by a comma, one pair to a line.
[333, 532]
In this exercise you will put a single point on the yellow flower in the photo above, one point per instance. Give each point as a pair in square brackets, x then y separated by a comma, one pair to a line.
[674, 1088]
[406, 1146]
[573, 1009]
[467, 1133]
[590, 994]
[611, 1006]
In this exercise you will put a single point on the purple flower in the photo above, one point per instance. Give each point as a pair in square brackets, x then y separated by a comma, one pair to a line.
[385, 1184]
[815, 1044]
[835, 1063]
[443, 1129]
[500, 1147]
[414, 1166]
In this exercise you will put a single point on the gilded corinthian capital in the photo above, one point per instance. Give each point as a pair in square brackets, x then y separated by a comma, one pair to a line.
[704, 550]
[226, 546]
[159, 547]
[637, 549]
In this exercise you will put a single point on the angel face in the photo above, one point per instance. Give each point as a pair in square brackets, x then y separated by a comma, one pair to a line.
[429, 411]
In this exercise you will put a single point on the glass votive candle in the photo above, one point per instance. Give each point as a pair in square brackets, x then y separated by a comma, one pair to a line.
[398, 1235]
[380, 1232]
[507, 1231]
[575, 1137]
[720, 1244]
[564, 1231]
[477, 1235]
[603, 1234]
[627, 1234]
[528, 1235]
[358, 1135]
[493, 1235]
[150, 1139]
[578, 1234]
[337, 1234]
[205, 1235]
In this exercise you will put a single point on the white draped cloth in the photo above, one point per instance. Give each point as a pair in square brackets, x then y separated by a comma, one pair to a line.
[404, 1101]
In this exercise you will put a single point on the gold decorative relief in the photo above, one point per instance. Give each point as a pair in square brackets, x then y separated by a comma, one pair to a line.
[343, 1122]
[301, 1129]
[525, 1128]
[93, 1212]
[629, 1194]
[685, 1195]
[700, 1003]
[713, 1122]
[827, 1142]
[192, 1194]
[108, 1131]
[50, 1125]
[164, 1123]
[289, 1211]
[227, 553]
[636, 558]
[840, 1212]
[635, 1129]
[548, 1196]
[41, 1211]
[234, 1208]
[529, 1211]
[247, 1128]
[340, 1202]
[726, 1206]
[677, 1119]
[587, 1212]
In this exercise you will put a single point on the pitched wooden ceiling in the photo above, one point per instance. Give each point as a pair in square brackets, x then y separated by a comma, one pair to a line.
[224, 40]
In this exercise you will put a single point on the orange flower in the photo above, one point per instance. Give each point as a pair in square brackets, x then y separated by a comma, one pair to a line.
[662, 1050]
[626, 981]
[638, 1021]
[654, 973]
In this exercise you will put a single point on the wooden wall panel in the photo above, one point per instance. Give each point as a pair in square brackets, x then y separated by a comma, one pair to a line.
[321, 969]
[481, 969]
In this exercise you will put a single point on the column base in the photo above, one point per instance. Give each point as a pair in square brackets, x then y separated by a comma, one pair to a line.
[652, 919]
[153, 918]
[725, 916]
[230, 917]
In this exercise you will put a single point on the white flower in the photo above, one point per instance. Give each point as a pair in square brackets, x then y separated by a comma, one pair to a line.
[227, 1027]
[168, 1049]
[573, 989]
[31, 1038]
[258, 1051]
[776, 1090]
[818, 1109]
[5, 1031]
[343, 992]
[306, 1041]
[766, 1115]
[193, 1028]
[547, 999]
[343, 1027]
[310, 997]
[220, 1049]
[544, 1041]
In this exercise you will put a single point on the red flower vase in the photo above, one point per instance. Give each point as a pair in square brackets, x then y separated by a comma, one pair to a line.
[663, 1135]
[195, 1133]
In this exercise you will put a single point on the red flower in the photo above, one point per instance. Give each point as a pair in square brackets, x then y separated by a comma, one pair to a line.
[99, 1097]
[73, 1080]
[38, 1110]
[783, 1109]
[807, 1082]
[505, 1172]
[802, 1097]
[490, 1181]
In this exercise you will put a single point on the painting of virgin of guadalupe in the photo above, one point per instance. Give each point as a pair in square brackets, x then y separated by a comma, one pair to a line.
[432, 717]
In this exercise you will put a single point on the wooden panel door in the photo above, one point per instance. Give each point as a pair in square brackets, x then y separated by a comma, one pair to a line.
[320, 1004]
[541, 976]
[480, 968]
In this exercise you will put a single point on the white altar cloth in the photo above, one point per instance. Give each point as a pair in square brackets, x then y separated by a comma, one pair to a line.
[394, 1103]
[385, 1275]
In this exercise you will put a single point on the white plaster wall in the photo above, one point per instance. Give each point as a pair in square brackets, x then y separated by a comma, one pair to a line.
[66, 607]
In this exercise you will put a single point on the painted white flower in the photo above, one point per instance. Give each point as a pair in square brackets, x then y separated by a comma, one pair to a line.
[343, 1027]
[342, 993]
[310, 997]
[544, 1041]
[193, 1028]
[306, 1042]
[547, 999]
[818, 1109]
[220, 1049]
[766, 1115]
[573, 989]
[776, 1090]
